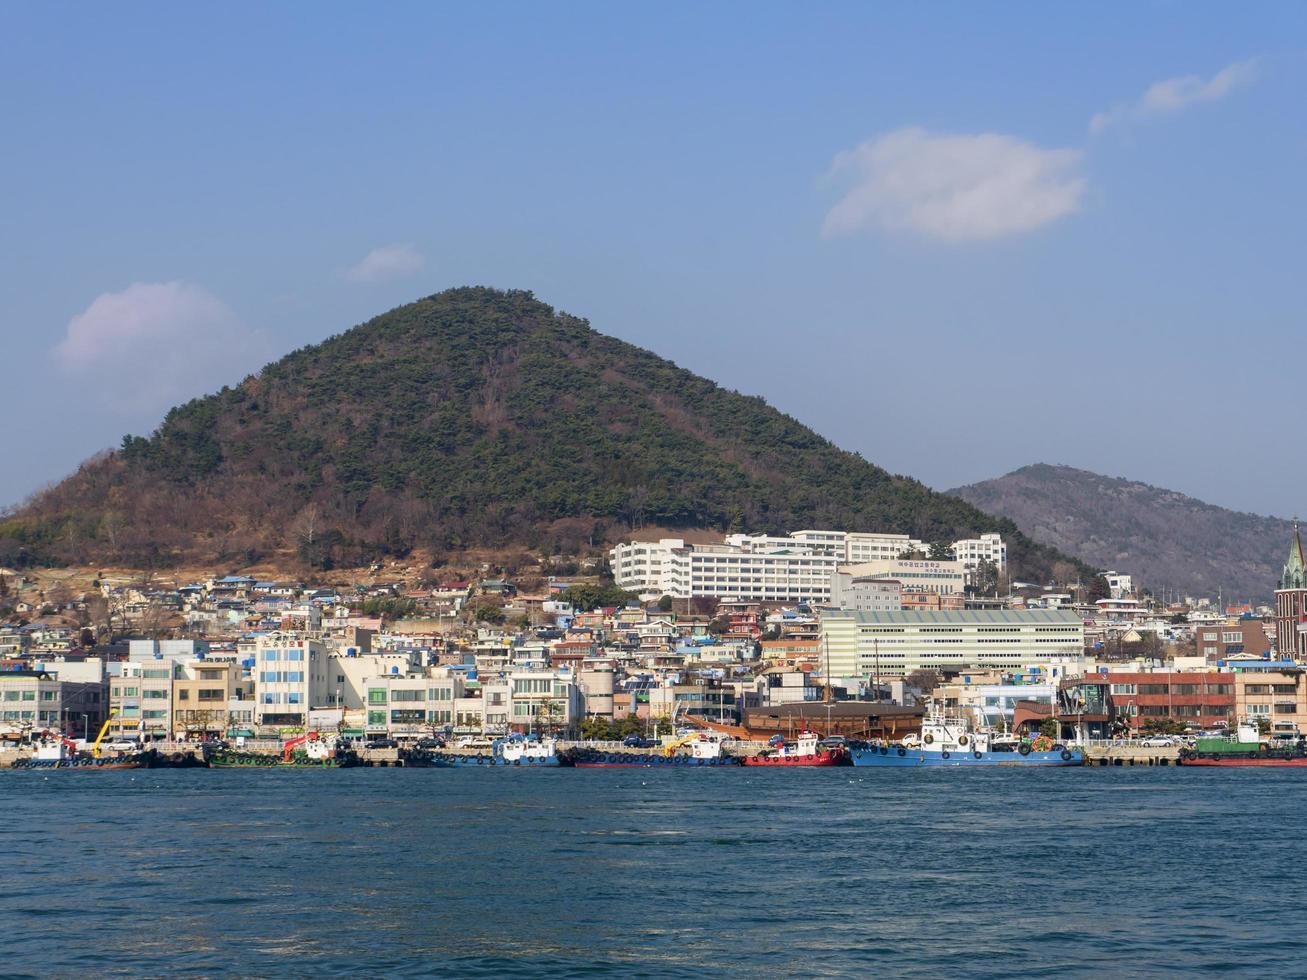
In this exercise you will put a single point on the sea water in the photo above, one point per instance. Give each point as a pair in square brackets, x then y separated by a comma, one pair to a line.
[727, 872]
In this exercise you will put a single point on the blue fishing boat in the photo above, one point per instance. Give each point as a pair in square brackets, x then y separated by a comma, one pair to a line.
[951, 742]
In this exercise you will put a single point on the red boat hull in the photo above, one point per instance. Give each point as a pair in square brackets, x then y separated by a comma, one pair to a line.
[826, 758]
[1296, 763]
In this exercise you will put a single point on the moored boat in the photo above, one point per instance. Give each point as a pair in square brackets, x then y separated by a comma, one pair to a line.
[806, 750]
[1245, 748]
[514, 750]
[701, 749]
[311, 751]
[953, 743]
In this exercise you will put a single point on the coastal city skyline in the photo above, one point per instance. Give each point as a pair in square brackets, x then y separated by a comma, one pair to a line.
[554, 490]
[1093, 255]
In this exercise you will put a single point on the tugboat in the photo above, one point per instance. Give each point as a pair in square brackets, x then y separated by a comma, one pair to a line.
[1245, 748]
[311, 751]
[951, 742]
[54, 751]
[806, 750]
[514, 750]
[702, 749]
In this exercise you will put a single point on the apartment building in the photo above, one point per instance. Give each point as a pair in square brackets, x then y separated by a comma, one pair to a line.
[865, 592]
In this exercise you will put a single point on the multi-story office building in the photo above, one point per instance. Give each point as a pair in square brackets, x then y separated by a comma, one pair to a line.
[290, 676]
[894, 644]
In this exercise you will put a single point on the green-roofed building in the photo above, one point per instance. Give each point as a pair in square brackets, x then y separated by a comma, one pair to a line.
[893, 644]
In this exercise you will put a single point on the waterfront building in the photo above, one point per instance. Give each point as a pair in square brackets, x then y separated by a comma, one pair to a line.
[1201, 699]
[140, 698]
[1274, 692]
[35, 699]
[894, 644]
[201, 694]
[1291, 603]
[290, 676]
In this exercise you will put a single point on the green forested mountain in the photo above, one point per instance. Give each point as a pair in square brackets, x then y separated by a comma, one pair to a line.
[472, 417]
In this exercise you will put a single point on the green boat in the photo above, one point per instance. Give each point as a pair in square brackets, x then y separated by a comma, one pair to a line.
[311, 751]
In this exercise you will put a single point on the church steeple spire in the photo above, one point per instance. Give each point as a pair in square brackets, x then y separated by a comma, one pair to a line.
[1295, 569]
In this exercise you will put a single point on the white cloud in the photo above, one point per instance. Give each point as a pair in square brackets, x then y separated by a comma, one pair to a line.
[155, 344]
[953, 188]
[1174, 94]
[387, 262]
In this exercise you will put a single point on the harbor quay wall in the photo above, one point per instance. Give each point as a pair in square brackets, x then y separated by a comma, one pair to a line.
[1130, 754]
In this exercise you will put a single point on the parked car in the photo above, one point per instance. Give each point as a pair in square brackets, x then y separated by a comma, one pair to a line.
[639, 742]
[1158, 742]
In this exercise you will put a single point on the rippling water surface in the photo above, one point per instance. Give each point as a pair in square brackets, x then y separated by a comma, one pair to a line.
[730, 872]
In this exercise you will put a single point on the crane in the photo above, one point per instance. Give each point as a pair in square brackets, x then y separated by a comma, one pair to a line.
[95, 747]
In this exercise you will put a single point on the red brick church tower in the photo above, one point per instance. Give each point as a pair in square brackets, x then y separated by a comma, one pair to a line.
[1291, 603]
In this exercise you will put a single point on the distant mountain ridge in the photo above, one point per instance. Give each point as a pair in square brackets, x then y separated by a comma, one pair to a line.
[1163, 537]
[472, 418]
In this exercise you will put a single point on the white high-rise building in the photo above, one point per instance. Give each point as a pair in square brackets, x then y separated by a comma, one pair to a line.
[988, 547]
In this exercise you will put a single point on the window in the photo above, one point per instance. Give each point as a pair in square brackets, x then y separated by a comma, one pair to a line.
[1284, 688]
[296, 655]
[406, 695]
[292, 676]
[1257, 689]
[156, 675]
[155, 694]
[269, 656]
[29, 695]
[376, 717]
[154, 715]
[270, 698]
[183, 695]
[407, 716]
[48, 696]
[1231, 637]
[11, 695]
[376, 695]
[1123, 689]
[1285, 708]
[294, 697]
[1259, 709]
[211, 675]
[212, 694]
[270, 677]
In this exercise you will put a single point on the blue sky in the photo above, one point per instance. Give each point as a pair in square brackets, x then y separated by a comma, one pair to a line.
[957, 238]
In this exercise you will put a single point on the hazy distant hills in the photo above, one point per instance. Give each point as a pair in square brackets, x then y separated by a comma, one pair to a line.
[474, 417]
[1162, 537]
